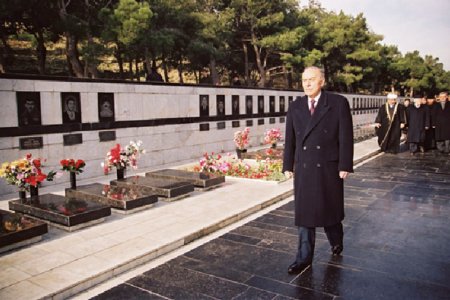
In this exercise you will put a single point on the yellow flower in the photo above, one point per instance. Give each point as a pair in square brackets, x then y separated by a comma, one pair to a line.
[2, 172]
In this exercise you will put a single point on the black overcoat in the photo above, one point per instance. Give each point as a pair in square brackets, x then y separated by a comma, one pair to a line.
[418, 119]
[316, 148]
[442, 122]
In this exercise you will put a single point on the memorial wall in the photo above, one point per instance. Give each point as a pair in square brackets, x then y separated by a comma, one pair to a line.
[57, 118]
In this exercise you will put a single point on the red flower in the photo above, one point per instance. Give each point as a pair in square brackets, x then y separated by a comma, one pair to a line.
[37, 163]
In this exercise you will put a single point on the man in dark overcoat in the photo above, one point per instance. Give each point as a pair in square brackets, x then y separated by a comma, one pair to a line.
[442, 130]
[418, 122]
[319, 150]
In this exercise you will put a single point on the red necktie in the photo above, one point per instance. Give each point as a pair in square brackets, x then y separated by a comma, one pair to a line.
[311, 110]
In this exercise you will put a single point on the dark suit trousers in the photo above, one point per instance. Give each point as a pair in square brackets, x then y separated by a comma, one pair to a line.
[307, 241]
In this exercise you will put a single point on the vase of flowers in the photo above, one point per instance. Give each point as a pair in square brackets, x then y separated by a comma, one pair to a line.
[120, 173]
[22, 195]
[121, 158]
[74, 167]
[26, 174]
[241, 141]
[272, 137]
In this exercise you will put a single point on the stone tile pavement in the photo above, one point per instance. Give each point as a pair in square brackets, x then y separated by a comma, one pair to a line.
[396, 246]
[64, 264]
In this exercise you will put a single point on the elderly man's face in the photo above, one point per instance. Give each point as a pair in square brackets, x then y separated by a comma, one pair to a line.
[443, 97]
[312, 82]
[391, 101]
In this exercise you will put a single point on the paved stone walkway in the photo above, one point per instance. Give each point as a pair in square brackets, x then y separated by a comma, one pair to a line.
[397, 246]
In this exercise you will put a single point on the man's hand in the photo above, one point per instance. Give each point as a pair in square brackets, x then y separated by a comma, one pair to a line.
[402, 125]
[343, 174]
[377, 125]
[288, 174]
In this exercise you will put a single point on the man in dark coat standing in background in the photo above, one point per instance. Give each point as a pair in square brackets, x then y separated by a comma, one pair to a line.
[319, 150]
[442, 130]
[418, 122]
[389, 122]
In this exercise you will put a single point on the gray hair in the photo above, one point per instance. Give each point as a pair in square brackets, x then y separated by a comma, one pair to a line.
[321, 71]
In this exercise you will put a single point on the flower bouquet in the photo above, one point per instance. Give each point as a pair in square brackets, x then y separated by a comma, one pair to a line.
[26, 174]
[121, 158]
[272, 137]
[74, 167]
[241, 141]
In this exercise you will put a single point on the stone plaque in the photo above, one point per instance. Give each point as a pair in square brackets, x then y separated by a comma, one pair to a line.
[248, 105]
[105, 136]
[220, 101]
[31, 143]
[272, 104]
[221, 125]
[249, 123]
[204, 105]
[29, 108]
[260, 121]
[71, 107]
[72, 139]
[282, 104]
[282, 119]
[106, 107]
[204, 127]
[260, 104]
[272, 121]
[235, 124]
[235, 105]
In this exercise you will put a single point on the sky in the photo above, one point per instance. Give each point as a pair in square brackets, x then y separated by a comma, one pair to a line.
[422, 25]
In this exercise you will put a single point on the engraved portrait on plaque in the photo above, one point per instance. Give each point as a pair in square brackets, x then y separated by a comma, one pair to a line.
[106, 107]
[220, 105]
[235, 105]
[204, 105]
[71, 108]
[29, 108]
[272, 104]
[248, 105]
[282, 104]
[260, 104]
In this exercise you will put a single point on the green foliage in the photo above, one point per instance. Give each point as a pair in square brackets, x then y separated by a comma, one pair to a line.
[132, 19]
[250, 38]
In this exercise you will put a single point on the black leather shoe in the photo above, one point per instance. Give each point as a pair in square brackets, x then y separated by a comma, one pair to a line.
[296, 268]
[337, 249]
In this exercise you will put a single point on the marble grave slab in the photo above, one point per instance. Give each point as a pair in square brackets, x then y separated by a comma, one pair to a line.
[17, 230]
[168, 189]
[126, 198]
[198, 179]
[63, 212]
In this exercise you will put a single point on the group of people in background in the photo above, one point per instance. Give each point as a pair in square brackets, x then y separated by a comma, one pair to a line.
[425, 122]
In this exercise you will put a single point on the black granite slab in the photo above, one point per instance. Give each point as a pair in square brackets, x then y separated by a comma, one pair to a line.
[396, 245]
[127, 291]
[168, 188]
[60, 210]
[16, 228]
[119, 197]
[276, 153]
[199, 179]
